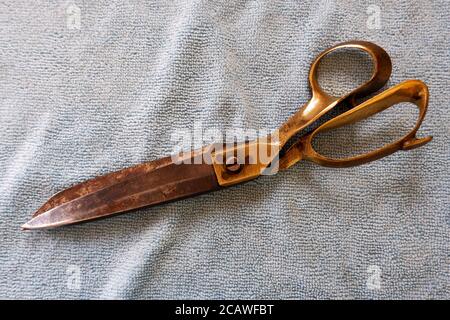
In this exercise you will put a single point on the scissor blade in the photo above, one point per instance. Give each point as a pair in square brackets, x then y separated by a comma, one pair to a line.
[99, 183]
[156, 182]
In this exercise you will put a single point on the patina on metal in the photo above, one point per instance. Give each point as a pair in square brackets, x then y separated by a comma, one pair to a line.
[163, 180]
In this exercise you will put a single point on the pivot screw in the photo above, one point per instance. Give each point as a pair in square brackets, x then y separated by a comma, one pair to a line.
[232, 165]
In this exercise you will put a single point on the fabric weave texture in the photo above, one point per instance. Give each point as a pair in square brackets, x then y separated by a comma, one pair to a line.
[89, 87]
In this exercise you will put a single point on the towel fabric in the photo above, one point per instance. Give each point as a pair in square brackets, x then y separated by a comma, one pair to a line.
[89, 87]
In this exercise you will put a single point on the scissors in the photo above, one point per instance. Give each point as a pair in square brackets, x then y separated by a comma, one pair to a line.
[173, 178]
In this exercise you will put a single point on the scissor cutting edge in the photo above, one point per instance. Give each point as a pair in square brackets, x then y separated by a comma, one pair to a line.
[164, 180]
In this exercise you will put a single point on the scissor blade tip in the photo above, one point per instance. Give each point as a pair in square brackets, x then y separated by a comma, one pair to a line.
[32, 225]
[26, 226]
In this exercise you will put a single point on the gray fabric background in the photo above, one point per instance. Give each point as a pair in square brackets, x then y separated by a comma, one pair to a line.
[76, 103]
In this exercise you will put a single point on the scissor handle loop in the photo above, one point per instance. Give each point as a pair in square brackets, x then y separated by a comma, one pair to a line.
[382, 67]
[321, 102]
[414, 91]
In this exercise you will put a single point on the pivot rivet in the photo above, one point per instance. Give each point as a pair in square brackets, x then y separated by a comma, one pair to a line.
[232, 165]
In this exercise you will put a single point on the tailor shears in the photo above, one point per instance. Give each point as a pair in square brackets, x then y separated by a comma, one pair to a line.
[170, 178]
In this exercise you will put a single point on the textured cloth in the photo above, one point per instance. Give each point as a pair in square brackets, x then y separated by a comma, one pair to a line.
[89, 87]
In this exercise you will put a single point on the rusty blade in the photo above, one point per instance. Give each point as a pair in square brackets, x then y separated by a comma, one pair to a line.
[143, 185]
[99, 183]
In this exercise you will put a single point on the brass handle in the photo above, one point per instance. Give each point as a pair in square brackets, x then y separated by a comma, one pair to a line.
[413, 91]
[321, 102]
[382, 67]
